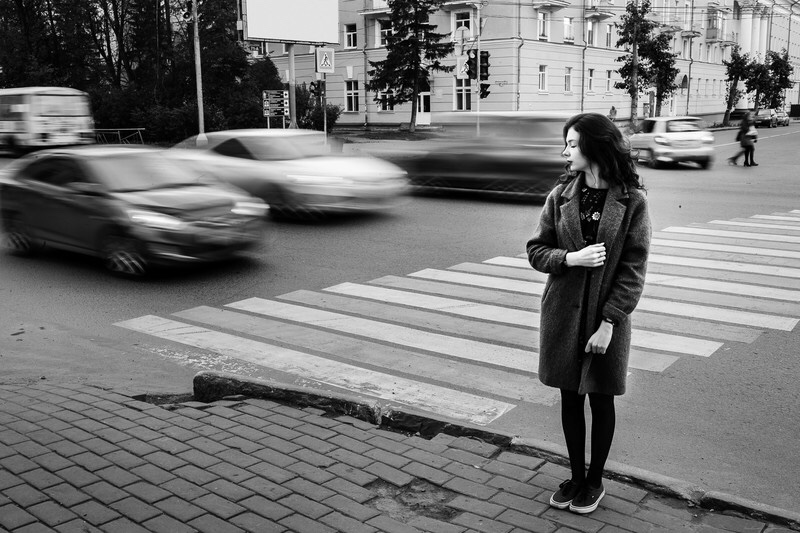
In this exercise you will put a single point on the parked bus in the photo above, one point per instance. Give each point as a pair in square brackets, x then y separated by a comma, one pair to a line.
[41, 117]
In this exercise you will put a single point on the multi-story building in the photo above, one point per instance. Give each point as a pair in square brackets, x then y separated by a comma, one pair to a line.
[550, 55]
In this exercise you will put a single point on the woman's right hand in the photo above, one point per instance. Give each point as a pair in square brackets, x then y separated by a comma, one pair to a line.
[591, 256]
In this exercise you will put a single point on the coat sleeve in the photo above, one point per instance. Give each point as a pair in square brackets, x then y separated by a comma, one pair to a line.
[628, 284]
[543, 252]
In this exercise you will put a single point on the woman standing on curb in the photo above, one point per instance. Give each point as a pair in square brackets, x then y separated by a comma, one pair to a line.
[592, 240]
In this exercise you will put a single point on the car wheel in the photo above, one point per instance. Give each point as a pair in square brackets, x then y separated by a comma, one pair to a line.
[17, 238]
[705, 164]
[122, 256]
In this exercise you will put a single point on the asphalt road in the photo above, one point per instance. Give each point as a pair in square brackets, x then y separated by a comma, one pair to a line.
[727, 421]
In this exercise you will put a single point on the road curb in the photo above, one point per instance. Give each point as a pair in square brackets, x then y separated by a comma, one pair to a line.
[212, 386]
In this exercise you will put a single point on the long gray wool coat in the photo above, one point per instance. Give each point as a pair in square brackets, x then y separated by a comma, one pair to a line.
[613, 289]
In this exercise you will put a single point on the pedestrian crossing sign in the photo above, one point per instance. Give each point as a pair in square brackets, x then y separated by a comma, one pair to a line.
[325, 60]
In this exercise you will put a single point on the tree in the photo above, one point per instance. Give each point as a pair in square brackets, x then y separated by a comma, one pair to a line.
[414, 50]
[662, 71]
[737, 69]
[635, 31]
[758, 81]
[781, 70]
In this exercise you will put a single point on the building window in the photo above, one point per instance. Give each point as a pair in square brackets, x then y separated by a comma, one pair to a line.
[569, 30]
[591, 80]
[609, 35]
[567, 79]
[542, 27]
[591, 32]
[463, 95]
[462, 19]
[351, 96]
[384, 31]
[384, 104]
[609, 83]
[543, 78]
[350, 36]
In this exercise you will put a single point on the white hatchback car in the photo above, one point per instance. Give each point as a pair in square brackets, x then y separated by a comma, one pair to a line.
[668, 140]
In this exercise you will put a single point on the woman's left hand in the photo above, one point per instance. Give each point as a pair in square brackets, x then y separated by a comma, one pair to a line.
[598, 343]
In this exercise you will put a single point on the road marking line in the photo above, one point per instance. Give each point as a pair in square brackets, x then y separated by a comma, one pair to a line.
[785, 272]
[717, 314]
[448, 305]
[482, 352]
[753, 225]
[641, 338]
[768, 252]
[777, 219]
[736, 234]
[508, 384]
[452, 403]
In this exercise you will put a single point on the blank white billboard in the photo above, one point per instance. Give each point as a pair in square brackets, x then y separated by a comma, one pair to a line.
[298, 21]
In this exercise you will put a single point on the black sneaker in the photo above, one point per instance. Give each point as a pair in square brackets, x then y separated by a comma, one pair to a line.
[587, 500]
[562, 498]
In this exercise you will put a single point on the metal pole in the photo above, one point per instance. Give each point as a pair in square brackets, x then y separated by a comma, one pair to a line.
[198, 75]
[478, 80]
[292, 105]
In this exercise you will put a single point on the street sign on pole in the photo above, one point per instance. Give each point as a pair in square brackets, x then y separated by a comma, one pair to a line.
[462, 68]
[324, 63]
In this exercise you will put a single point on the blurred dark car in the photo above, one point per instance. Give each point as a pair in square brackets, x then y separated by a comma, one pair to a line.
[671, 140]
[782, 118]
[295, 171]
[516, 153]
[765, 118]
[131, 207]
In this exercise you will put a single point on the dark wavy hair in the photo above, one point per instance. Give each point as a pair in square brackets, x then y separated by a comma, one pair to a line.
[601, 142]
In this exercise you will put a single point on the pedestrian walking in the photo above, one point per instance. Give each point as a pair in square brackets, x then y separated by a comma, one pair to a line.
[592, 240]
[747, 137]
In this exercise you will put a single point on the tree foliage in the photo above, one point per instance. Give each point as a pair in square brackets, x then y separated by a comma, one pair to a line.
[414, 50]
[635, 29]
[737, 69]
[136, 59]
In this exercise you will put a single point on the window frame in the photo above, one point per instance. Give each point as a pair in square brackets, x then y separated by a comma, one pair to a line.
[462, 95]
[543, 81]
[543, 25]
[351, 96]
[382, 33]
[590, 81]
[350, 37]
[568, 80]
[569, 30]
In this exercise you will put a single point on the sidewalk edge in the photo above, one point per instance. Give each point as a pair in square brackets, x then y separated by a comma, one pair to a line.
[211, 386]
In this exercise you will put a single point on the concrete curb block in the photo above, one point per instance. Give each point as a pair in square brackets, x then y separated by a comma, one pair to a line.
[212, 386]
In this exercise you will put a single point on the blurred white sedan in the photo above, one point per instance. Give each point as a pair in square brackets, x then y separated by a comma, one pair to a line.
[669, 140]
[295, 172]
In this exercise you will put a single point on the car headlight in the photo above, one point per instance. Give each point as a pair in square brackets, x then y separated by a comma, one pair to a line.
[661, 140]
[250, 209]
[154, 220]
[328, 181]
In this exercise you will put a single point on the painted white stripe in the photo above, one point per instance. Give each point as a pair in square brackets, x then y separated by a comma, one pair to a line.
[448, 402]
[742, 289]
[753, 225]
[767, 252]
[735, 234]
[650, 361]
[517, 262]
[479, 281]
[423, 340]
[494, 313]
[784, 272]
[640, 338]
[777, 217]
[718, 314]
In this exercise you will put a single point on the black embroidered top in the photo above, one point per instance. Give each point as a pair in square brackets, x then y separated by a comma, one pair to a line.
[592, 201]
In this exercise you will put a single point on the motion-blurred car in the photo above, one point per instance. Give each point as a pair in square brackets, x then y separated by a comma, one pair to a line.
[131, 207]
[765, 118]
[670, 140]
[295, 172]
[782, 118]
[516, 154]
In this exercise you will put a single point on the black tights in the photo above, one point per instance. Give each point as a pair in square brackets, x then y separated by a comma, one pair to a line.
[574, 424]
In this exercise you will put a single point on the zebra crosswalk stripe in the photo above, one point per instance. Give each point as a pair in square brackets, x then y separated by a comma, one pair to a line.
[459, 405]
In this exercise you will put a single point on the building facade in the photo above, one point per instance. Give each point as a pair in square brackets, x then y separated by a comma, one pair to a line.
[548, 55]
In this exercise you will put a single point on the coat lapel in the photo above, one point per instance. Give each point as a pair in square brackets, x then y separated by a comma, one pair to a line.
[571, 216]
[613, 213]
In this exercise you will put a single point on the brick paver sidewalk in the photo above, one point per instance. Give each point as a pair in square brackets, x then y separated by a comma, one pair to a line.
[78, 458]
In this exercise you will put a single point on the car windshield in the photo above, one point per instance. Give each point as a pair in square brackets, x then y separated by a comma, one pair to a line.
[680, 126]
[268, 148]
[142, 171]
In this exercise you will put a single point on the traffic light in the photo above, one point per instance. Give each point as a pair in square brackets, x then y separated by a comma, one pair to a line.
[472, 65]
[484, 65]
[485, 90]
[187, 14]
